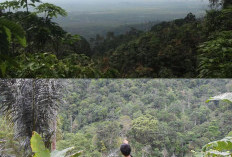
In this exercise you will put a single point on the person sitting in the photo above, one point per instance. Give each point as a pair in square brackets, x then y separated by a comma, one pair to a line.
[126, 149]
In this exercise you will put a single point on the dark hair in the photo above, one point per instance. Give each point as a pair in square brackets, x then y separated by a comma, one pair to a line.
[125, 149]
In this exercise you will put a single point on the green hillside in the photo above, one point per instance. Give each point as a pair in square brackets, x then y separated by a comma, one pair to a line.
[159, 117]
[32, 45]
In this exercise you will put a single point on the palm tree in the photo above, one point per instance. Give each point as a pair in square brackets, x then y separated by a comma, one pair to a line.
[31, 105]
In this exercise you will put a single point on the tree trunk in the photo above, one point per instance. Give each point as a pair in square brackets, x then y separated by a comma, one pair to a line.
[54, 136]
[71, 125]
[27, 6]
[33, 105]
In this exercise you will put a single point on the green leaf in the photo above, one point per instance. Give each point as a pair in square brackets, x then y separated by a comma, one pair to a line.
[33, 5]
[22, 2]
[219, 148]
[51, 9]
[8, 33]
[227, 97]
[22, 41]
[76, 154]
[3, 68]
[38, 147]
[13, 29]
[62, 153]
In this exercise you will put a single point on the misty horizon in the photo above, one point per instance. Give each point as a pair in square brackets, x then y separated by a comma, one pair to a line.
[102, 5]
[90, 17]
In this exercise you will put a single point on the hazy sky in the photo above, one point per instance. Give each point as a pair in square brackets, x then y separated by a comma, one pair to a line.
[96, 1]
[88, 5]
[84, 14]
[114, 1]
[119, 1]
[99, 5]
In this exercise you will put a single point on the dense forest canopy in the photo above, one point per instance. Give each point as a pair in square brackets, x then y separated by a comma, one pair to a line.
[33, 45]
[158, 117]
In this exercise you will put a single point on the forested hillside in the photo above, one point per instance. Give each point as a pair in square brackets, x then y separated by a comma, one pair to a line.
[159, 117]
[32, 45]
[91, 17]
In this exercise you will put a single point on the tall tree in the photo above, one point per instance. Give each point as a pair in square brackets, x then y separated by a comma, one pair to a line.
[31, 105]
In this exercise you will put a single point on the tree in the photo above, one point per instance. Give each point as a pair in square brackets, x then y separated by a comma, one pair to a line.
[217, 21]
[223, 3]
[215, 56]
[144, 129]
[50, 10]
[10, 4]
[9, 146]
[9, 30]
[221, 147]
[26, 4]
[110, 35]
[190, 18]
[31, 105]
[227, 3]
[106, 137]
[81, 142]
[40, 150]
[214, 3]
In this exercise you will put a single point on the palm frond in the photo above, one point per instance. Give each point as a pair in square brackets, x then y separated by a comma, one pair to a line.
[31, 105]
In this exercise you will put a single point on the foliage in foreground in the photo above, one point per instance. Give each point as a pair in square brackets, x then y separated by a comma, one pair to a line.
[216, 56]
[219, 148]
[39, 149]
[30, 105]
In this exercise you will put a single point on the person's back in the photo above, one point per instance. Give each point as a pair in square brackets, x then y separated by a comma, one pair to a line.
[126, 149]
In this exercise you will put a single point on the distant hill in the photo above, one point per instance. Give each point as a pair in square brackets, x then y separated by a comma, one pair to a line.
[89, 18]
[91, 31]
